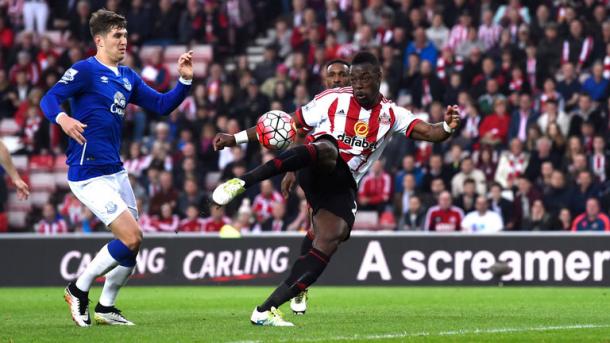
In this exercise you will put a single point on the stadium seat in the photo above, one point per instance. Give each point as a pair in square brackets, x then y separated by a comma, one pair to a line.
[17, 219]
[42, 181]
[366, 220]
[56, 37]
[147, 51]
[61, 180]
[39, 198]
[14, 204]
[21, 162]
[172, 52]
[59, 165]
[42, 163]
[8, 127]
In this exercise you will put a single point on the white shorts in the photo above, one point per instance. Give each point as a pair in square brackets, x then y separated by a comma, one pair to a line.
[106, 196]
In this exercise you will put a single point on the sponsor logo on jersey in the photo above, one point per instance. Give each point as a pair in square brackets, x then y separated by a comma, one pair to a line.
[68, 76]
[118, 106]
[361, 129]
[359, 142]
[127, 84]
[104, 79]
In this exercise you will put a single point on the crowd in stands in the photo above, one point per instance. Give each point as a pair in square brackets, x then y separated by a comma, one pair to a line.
[531, 79]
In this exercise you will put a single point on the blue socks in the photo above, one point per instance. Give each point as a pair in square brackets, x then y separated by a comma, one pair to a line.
[121, 253]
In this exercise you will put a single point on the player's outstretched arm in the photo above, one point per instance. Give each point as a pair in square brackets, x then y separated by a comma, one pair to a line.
[23, 191]
[440, 131]
[225, 140]
[165, 103]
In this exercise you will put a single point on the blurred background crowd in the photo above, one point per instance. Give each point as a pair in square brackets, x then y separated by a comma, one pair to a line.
[530, 78]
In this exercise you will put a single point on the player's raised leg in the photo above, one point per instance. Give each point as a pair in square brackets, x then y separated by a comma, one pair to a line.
[330, 231]
[322, 154]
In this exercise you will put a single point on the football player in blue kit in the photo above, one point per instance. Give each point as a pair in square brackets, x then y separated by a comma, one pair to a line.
[99, 89]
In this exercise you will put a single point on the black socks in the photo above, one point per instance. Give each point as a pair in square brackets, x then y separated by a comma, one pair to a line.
[291, 159]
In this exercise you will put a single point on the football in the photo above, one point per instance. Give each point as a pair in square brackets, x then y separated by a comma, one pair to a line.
[275, 130]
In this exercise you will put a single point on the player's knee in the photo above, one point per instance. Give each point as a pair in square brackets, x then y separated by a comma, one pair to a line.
[327, 155]
[133, 240]
[328, 242]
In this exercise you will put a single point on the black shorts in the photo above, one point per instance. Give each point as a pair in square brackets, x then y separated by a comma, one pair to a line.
[335, 192]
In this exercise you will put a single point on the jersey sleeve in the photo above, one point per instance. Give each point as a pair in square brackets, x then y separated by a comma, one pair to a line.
[316, 111]
[73, 82]
[404, 120]
[160, 103]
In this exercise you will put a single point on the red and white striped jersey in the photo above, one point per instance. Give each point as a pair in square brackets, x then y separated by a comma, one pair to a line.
[262, 207]
[362, 134]
[52, 228]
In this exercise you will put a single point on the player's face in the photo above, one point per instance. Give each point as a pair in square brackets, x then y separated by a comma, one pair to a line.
[115, 44]
[337, 75]
[365, 80]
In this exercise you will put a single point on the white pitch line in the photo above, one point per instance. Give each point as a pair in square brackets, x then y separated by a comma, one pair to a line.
[442, 333]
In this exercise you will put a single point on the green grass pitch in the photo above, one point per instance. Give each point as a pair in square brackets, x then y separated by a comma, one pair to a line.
[335, 314]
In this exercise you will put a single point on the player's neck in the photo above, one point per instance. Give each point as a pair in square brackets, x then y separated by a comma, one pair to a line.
[106, 60]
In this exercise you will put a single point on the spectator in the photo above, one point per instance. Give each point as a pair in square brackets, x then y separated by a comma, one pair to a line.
[426, 87]
[25, 65]
[599, 162]
[592, 219]
[552, 114]
[522, 118]
[584, 189]
[216, 220]
[468, 171]
[275, 222]
[191, 23]
[587, 111]
[244, 218]
[569, 87]
[139, 22]
[438, 33]
[408, 167]
[577, 48]
[596, 86]
[494, 127]
[165, 25]
[421, 47]
[375, 11]
[540, 220]
[415, 216]
[501, 205]
[565, 219]
[524, 199]
[472, 42]
[466, 200]
[79, 24]
[436, 169]
[487, 162]
[482, 220]
[302, 222]
[88, 222]
[35, 16]
[459, 32]
[51, 223]
[512, 164]
[444, 217]
[558, 195]
[167, 194]
[189, 196]
[192, 222]
[167, 221]
[155, 73]
[375, 189]
[263, 203]
[489, 32]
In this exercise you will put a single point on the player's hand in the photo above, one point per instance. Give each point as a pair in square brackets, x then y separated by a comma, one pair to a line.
[223, 140]
[185, 65]
[23, 190]
[73, 128]
[452, 116]
[288, 183]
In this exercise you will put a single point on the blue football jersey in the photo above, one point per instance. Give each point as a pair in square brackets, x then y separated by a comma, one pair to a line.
[98, 98]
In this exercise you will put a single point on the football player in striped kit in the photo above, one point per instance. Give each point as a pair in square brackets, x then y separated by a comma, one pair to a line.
[348, 129]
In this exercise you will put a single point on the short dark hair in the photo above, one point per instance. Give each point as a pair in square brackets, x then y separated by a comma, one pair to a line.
[103, 21]
[366, 57]
[340, 61]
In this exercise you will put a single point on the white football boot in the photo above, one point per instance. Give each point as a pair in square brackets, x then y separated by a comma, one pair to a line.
[272, 317]
[227, 191]
[79, 308]
[298, 304]
[110, 316]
